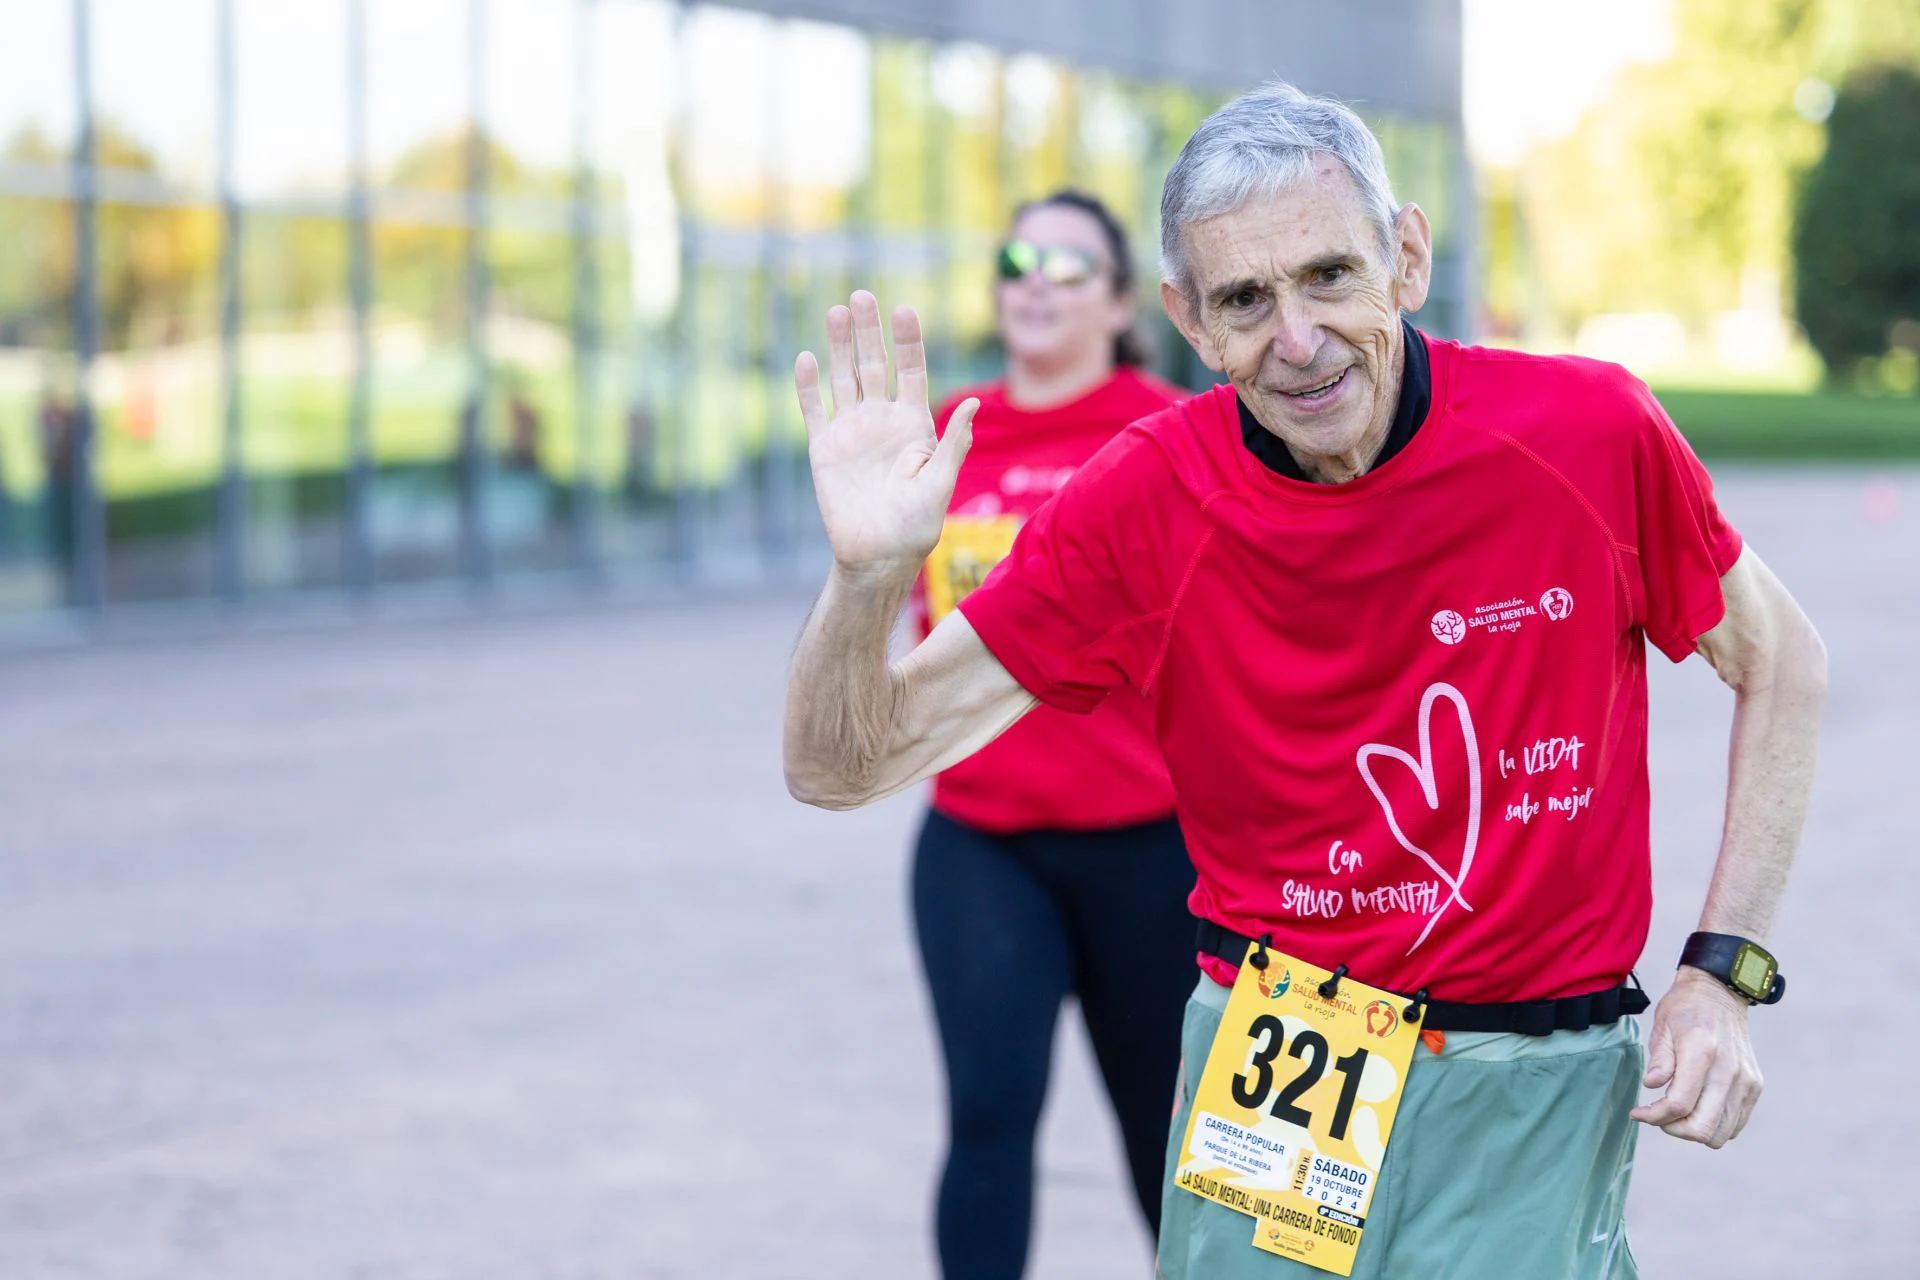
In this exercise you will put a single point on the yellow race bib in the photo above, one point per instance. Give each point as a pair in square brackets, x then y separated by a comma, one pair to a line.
[968, 549]
[1291, 1118]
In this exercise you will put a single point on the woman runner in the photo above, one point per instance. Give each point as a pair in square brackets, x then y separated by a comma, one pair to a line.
[1049, 864]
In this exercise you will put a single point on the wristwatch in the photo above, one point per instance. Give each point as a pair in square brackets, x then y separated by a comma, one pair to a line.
[1747, 968]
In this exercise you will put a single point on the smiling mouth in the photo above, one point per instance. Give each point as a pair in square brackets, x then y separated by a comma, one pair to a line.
[1320, 391]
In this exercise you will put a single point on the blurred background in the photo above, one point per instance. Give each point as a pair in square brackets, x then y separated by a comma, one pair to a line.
[407, 941]
[339, 295]
[334, 296]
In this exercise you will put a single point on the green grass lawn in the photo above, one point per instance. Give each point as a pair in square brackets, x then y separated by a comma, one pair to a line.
[1820, 425]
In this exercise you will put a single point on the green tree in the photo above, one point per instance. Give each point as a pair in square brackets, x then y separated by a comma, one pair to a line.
[1677, 191]
[1862, 33]
[1856, 242]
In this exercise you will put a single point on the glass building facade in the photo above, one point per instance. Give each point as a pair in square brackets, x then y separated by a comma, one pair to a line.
[340, 294]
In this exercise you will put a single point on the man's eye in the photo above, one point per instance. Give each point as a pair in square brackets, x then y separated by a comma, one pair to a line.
[1332, 275]
[1244, 299]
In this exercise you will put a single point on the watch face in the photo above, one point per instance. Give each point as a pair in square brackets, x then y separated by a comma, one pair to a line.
[1753, 972]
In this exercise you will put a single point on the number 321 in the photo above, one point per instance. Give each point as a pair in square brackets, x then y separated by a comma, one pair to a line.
[1251, 1088]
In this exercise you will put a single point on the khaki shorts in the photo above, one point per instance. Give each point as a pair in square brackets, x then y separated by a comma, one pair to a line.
[1509, 1160]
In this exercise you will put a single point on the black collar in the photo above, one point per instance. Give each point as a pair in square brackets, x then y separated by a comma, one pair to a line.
[1416, 397]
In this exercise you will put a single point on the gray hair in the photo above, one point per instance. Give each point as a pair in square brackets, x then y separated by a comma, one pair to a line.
[1260, 143]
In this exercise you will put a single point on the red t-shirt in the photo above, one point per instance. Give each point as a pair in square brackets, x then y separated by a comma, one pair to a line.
[1406, 717]
[1051, 770]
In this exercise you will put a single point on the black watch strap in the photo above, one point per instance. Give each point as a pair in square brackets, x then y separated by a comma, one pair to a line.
[1719, 953]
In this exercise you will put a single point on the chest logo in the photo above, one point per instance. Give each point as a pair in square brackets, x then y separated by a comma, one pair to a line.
[1425, 773]
[1500, 617]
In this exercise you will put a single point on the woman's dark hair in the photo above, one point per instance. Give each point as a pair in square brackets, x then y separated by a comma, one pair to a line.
[1128, 348]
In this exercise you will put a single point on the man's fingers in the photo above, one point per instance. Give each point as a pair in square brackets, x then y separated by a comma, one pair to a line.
[951, 451]
[1743, 1094]
[869, 348]
[1706, 1121]
[1741, 1109]
[909, 357]
[1659, 1058]
[846, 386]
[806, 383]
[1689, 1078]
[1726, 1125]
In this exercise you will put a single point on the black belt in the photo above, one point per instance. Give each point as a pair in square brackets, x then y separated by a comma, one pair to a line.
[1525, 1017]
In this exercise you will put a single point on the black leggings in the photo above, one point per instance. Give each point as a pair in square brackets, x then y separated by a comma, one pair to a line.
[1009, 926]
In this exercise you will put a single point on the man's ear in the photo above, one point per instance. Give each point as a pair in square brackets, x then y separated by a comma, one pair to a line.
[1414, 261]
[1185, 316]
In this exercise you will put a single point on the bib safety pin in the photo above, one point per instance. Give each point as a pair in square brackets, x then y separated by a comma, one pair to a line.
[1331, 987]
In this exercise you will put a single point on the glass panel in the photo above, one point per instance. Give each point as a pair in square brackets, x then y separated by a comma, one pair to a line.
[824, 125]
[727, 158]
[1121, 163]
[1039, 129]
[903, 101]
[535, 443]
[425, 379]
[728, 62]
[36, 283]
[637, 284]
[296, 351]
[1173, 114]
[1116, 150]
[154, 86]
[824, 114]
[1420, 161]
[157, 383]
[968, 90]
[908, 183]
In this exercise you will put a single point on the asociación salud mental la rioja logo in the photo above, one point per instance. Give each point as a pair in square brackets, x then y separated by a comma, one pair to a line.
[1449, 627]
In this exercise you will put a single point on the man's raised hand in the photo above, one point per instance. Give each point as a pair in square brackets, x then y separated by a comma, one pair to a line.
[882, 478]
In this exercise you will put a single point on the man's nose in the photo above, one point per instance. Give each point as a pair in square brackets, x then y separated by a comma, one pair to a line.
[1296, 335]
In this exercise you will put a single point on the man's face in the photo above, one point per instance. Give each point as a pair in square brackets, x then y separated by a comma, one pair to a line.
[1293, 299]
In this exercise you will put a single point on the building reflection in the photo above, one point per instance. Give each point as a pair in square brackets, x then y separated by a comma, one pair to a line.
[346, 294]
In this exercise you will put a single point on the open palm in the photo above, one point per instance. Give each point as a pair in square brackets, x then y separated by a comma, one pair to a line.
[882, 478]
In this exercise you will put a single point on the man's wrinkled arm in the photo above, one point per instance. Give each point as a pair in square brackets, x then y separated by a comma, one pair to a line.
[1769, 654]
[858, 727]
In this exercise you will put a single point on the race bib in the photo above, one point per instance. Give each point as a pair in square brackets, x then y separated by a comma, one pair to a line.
[1291, 1118]
[968, 549]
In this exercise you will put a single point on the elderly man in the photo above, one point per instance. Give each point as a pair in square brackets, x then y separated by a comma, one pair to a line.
[1391, 597]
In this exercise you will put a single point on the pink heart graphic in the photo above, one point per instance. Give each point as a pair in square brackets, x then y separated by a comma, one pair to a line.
[1422, 770]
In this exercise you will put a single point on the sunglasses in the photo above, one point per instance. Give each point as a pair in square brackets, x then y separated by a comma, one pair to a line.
[1058, 264]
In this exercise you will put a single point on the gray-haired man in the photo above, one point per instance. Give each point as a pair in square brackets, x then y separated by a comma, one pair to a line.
[1391, 596]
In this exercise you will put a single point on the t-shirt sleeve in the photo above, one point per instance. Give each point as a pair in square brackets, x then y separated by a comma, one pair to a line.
[1685, 544]
[1083, 603]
